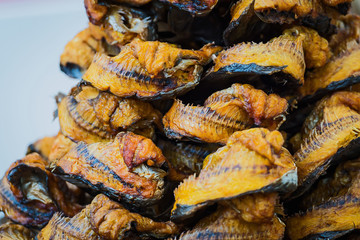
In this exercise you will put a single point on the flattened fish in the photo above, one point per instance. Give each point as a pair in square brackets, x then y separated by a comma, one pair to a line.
[331, 208]
[340, 72]
[149, 70]
[330, 133]
[12, 231]
[184, 158]
[252, 161]
[126, 169]
[91, 116]
[112, 221]
[226, 223]
[281, 60]
[78, 53]
[224, 112]
[24, 192]
[42, 146]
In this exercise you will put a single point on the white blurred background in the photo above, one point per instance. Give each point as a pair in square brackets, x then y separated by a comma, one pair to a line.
[33, 34]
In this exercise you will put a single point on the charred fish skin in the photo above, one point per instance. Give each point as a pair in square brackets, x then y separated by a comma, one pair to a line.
[75, 228]
[330, 133]
[227, 164]
[78, 54]
[184, 158]
[118, 169]
[342, 199]
[111, 220]
[226, 223]
[24, 190]
[224, 112]
[92, 116]
[166, 72]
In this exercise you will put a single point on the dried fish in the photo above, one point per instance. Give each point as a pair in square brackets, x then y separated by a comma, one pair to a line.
[78, 53]
[280, 60]
[126, 169]
[329, 134]
[149, 70]
[331, 208]
[224, 112]
[252, 161]
[112, 221]
[226, 223]
[42, 146]
[12, 231]
[91, 116]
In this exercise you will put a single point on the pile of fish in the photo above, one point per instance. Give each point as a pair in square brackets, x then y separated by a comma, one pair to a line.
[199, 119]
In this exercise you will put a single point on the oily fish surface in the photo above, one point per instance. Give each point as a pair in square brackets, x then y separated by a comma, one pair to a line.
[332, 125]
[93, 116]
[128, 168]
[149, 69]
[280, 54]
[226, 223]
[253, 160]
[224, 112]
[334, 211]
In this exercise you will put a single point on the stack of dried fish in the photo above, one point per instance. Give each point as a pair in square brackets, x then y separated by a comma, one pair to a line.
[199, 119]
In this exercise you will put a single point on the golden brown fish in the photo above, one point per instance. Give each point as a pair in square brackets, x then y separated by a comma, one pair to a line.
[112, 221]
[79, 52]
[226, 223]
[225, 112]
[64, 228]
[90, 115]
[329, 134]
[149, 70]
[12, 231]
[252, 161]
[331, 208]
[42, 146]
[316, 48]
[281, 59]
[126, 169]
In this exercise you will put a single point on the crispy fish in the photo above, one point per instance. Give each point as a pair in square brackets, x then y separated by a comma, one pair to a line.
[149, 70]
[224, 112]
[90, 115]
[252, 161]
